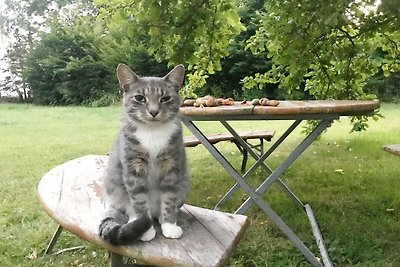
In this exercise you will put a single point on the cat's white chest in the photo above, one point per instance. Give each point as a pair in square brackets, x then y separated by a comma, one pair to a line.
[155, 137]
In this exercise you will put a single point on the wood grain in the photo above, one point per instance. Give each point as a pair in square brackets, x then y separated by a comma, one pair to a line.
[340, 107]
[287, 108]
[71, 194]
[191, 141]
[236, 110]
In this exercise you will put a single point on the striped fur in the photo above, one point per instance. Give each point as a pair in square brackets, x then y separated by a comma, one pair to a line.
[146, 176]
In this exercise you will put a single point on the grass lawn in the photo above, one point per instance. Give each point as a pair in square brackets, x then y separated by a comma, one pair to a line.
[351, 183]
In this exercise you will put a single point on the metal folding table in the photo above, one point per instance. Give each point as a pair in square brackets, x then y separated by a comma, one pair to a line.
[324, 111]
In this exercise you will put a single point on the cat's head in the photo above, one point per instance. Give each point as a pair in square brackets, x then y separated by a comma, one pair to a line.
[151, 99]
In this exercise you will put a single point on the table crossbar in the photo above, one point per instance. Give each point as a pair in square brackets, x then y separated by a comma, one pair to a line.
[285, 165]
[260, 162]
[255, 196]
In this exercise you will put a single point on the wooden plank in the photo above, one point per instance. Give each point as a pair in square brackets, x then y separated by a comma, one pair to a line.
[393, 148]
[341, 107]
[286, 108]
[225, 227]
[71, 194]
[237, 109]
[202, 247]
[191, 141]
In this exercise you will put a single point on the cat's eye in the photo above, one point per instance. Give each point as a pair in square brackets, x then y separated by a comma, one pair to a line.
[140, 98]
[165, 99]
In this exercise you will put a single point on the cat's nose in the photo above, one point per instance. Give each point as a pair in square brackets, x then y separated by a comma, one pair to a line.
[154, 113]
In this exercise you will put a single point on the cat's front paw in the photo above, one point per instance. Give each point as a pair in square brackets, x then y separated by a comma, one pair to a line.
[149, 234]
[171, 230]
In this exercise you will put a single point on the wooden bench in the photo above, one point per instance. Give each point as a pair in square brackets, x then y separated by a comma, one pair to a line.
[394, 149]
[71, 194]
[192, 141]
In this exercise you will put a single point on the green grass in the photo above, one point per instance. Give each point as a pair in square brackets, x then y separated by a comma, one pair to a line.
[357, 208]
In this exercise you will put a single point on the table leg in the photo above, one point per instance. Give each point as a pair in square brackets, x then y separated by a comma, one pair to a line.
[285, 165]
[244, 155]
[318, 236]
[295, 154]
[53, 240]
[310, 214]
[257, 199]
[260, 162]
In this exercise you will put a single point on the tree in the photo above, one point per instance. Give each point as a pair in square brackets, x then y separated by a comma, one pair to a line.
[241, 62]
[15, 59]
[16, 24]
[327, 45]
[330, 47]
[133, 54]
[387, 88]
[65, 67]
[21, 22]
[194, 32]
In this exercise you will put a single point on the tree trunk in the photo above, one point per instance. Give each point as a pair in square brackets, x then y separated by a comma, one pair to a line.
[24, 89]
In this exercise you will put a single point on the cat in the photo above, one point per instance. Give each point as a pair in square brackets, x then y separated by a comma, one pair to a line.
[146, 177]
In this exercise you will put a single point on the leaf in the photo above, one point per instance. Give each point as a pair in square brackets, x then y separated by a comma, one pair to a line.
[332, 20]
[100, 2]
[155, 11]
[233, 18]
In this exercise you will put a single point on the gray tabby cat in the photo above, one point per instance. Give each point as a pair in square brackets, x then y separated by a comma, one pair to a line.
[146, 176]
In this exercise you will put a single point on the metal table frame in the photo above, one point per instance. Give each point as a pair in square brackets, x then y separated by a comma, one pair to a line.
[274, 175]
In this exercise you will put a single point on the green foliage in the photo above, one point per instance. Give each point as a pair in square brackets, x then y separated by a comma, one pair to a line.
[134, 55]
[65, 66]
[387, 88]
[21, 22]
[196, 33]
[311, 49]
[328, 46]
[239, 62]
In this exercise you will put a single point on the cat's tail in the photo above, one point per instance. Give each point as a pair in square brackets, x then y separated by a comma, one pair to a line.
[116, 230]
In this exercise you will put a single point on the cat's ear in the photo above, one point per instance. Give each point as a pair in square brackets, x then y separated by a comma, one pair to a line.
[126, 76]
[176, 75]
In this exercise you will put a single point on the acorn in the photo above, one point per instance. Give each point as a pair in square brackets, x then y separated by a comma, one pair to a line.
[203, 101]
[189, 102]
[255, 102]
[210, 102]
[200, 101]
[264, 101]
[219, 101]
[228, 102]
[272, 103]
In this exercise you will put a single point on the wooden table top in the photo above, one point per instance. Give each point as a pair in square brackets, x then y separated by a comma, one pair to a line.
[287, 108]
[72, 195]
